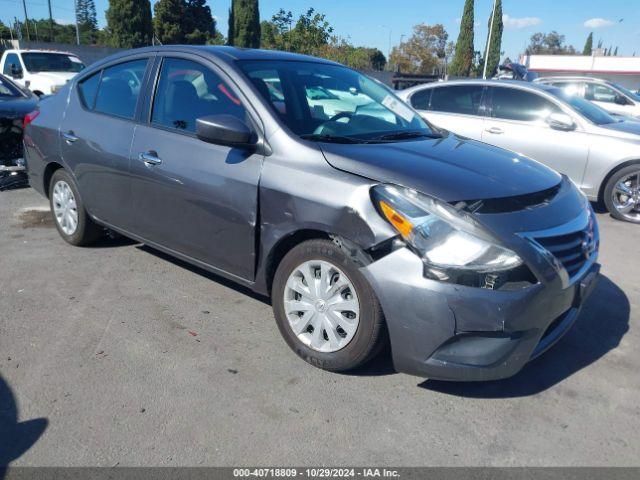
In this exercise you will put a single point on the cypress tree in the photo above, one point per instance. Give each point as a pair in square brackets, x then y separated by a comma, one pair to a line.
[246, 23]
[129, 23]
[167, 21]
[463, 58]
[230, 34]
[588, 46]
[493, 56]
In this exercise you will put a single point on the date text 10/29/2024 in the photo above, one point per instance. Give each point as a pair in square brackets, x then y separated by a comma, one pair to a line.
[316, 472]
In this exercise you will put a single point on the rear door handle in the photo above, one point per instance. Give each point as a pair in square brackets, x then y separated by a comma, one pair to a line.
[69, 137]
[150, 158]
[494, 130]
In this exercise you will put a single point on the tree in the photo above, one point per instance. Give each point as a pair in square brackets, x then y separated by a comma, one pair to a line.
[588, 46]
[493, 56]
[311, 34]
[168, 21]
[230, 34]
[129, 23]
[549, 44]
[422, 52]
[246, 24]
[87, 21]
[362, 58]
[199, 26]
[615, 53]
[463, 58]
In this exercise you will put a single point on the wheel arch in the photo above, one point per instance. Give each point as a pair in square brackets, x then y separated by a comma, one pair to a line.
[49, 170]
[612, 172]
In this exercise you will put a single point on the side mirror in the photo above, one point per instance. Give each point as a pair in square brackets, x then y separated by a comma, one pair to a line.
[16, 71]
[621, 100]
[561, 121]
[225, 130]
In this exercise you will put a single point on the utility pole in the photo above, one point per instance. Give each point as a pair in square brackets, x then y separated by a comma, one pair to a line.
[75, 8]
[26, 19]
[486, 53]
[50, 22]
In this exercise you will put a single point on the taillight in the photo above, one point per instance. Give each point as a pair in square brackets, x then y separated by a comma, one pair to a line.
[29, 117]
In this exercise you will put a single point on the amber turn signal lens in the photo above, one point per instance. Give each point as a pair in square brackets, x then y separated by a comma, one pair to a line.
[396, 219]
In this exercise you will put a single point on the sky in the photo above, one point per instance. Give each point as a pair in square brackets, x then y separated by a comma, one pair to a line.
[381, 23]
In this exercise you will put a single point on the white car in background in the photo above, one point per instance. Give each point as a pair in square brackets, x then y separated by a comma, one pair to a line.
[599, 152]
[44, 72]
[612, 97]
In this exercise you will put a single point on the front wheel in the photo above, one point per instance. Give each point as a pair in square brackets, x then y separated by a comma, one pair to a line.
[325, 309]
[622, 194]
[71, 219]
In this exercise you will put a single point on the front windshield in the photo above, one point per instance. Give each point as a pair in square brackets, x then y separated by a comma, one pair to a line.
[331, 102]
[8, 90]
[51, 62]
[591, 112]
[627, 92]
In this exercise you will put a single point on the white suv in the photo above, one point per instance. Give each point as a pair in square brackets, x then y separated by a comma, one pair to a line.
[43, 72]
[612, 97]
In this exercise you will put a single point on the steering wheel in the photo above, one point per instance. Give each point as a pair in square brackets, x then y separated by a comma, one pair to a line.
[340, 115]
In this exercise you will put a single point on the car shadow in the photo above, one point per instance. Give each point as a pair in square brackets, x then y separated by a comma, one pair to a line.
[601, 325]
[15, 437]
[207, 274]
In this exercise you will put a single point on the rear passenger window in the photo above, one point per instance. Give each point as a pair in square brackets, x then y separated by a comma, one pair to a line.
[514, 104]
[187, 91]
[88, 89]
[119, 88]
[420, 100]
[464, 99]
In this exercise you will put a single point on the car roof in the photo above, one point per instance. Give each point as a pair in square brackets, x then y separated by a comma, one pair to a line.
[38, 50]
[571, 78]
[226, 54]
[508, 83]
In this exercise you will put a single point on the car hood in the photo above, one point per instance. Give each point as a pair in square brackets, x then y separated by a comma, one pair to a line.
[450, 168]
[12, 107]
[626, 126]
[56, 78]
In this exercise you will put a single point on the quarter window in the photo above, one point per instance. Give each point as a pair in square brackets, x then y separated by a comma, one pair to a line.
[88, 89]
[120, 88]
[420, 99]
[514, 104]
[187, 91]
[463, 99]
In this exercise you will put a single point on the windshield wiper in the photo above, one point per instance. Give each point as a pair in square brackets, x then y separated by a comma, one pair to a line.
[331, 138]
[407, 135]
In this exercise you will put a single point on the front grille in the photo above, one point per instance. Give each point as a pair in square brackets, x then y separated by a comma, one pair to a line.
[512, 204]
[572, 250]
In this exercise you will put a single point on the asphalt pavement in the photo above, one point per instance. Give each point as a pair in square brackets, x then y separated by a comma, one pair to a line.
[119, 355]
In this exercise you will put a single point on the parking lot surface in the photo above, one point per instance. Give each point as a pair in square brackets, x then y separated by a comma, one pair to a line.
[118, 355]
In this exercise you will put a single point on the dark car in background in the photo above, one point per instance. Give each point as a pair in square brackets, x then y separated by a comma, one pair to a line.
[17, 107]
[363, 225]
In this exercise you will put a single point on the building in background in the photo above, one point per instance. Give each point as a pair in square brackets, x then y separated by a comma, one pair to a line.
[622, 70]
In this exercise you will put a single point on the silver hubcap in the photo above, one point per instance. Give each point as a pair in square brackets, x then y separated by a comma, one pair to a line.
[322, 306]
[64, 207]
[626, 196]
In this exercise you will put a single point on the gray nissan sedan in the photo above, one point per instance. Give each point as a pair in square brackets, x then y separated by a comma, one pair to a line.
[311, 183]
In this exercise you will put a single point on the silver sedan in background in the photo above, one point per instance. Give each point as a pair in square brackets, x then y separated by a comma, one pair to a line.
[599, 152]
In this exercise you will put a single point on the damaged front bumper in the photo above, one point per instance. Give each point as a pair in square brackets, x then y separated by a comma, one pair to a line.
[453, 332]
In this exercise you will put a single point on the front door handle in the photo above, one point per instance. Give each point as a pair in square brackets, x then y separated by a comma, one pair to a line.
[494, 130]
[69, 137]
[150, 158]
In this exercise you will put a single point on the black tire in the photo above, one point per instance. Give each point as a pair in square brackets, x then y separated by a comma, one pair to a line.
[608, 194]
[371, 334]
[87, 231]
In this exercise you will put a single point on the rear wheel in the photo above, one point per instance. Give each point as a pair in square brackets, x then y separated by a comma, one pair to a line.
[622, 194]
[71, 219]
[325, 309]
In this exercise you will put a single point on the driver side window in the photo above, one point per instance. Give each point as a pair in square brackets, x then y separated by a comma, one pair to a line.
[600, 93]
[187, 91]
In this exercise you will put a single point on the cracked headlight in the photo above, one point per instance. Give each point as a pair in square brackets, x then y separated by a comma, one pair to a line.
[448, 241]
